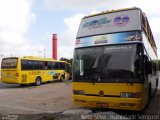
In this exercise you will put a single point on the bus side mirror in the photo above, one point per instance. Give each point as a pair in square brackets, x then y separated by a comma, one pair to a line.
[148, 67]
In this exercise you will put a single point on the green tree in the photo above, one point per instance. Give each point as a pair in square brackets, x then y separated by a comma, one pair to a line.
[67, 60]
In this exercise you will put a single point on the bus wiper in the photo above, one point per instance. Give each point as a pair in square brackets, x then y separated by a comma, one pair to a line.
[121, 73]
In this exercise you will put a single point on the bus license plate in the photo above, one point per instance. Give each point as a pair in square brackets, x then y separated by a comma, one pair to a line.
[102, 104]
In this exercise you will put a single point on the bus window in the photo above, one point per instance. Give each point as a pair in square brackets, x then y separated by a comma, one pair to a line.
[9, 63]
[40, 65]
[45, 65]
[62, 66]
[55, 65]
[49, 65]
[30, 65]
[35, 65]
[24, 64]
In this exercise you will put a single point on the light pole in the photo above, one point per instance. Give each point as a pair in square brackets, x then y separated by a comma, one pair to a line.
[44, 52]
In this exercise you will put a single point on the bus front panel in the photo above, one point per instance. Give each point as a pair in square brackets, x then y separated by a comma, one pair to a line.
[109, 95]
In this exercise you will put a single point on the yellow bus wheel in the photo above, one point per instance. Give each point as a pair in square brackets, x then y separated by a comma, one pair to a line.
[38, 81]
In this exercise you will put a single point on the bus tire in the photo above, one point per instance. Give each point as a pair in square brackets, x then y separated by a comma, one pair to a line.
[70, 78]
[38, 81]
[61, 78]
[149, 98]
[149, 94]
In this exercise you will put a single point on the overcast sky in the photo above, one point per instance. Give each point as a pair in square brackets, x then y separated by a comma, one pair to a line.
[26, 26]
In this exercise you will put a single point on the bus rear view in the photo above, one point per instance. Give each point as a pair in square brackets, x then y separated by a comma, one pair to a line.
[112, 67]
[10, 70]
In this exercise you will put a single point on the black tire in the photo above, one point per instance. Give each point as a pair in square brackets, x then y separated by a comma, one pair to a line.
[149, 94]
[157, 81]
[70, 78]
[38, 81]
[149, 98]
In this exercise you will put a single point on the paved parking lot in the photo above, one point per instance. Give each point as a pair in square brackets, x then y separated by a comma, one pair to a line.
[47, 98]
[51, 99]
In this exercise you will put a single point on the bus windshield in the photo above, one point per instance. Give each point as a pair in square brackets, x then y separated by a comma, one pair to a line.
[116, 63]
[9, 63]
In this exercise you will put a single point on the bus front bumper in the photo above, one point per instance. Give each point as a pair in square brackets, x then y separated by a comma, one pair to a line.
[109, 102]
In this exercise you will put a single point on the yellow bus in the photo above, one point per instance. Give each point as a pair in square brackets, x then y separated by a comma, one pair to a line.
[113, 64]
[29, 69]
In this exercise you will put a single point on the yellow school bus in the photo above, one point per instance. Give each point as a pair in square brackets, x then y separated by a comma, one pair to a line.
[113, 63]
[29, 69]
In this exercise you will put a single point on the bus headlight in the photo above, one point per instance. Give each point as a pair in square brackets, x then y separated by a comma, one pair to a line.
[78, 92]
[130, 95]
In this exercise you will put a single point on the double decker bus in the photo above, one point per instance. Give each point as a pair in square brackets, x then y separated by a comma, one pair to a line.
[113, 64]
[29, 69]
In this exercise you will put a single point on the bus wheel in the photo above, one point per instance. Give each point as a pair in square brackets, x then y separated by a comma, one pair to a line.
[61, 78]
[149, 94]
[38, 81]
[149, 98]
[156, 84]
[70, 78]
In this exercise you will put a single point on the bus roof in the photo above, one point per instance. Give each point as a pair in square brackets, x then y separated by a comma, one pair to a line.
[111, 11]
[37, 58]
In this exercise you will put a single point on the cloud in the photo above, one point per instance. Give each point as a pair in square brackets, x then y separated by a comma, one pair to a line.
[151, 8]
[83, 4]
[66, 40]
[15, 20]
[155, 23]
